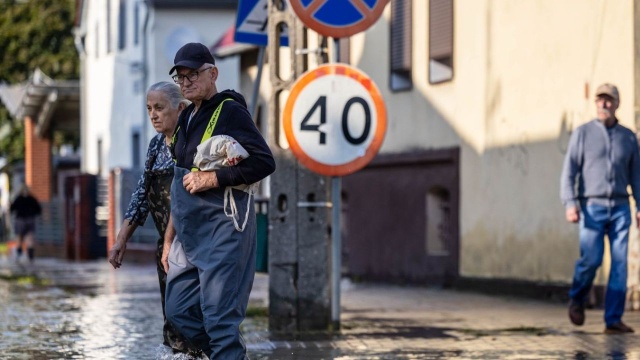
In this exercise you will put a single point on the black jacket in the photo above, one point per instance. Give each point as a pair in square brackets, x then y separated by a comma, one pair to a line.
[234, 121]
[26, 207]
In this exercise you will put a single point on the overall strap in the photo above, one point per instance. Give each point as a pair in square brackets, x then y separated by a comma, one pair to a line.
[211, 126]
[212, 122]
[207, 132]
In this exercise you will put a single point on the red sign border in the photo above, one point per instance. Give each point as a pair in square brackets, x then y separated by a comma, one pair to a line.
[381, 121]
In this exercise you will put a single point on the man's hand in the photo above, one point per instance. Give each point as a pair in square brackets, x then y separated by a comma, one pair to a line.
[116, 254]
[573, 214]
[199, 181]
[169, 234]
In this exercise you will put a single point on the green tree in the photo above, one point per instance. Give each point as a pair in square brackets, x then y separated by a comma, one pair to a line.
[33, 34]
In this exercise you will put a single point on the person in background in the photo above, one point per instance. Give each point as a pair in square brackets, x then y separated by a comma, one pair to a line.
[26, 209]
[164, 104]
[601, 161]
[211, 264]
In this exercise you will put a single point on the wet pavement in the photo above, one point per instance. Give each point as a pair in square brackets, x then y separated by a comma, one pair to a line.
[69, 310]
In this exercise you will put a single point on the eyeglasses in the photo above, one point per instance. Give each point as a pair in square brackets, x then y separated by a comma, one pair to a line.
[193, 76]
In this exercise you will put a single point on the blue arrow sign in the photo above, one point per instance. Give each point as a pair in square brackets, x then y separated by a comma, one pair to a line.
[251, 23]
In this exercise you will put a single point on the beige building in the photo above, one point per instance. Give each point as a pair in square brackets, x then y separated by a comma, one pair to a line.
[482, 96]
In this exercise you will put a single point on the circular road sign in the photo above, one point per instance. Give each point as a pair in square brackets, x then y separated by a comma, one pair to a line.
[338, 18]
[334, 119]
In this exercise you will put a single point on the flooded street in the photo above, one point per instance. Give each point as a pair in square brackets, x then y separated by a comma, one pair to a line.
[88, 311]
[68, 310]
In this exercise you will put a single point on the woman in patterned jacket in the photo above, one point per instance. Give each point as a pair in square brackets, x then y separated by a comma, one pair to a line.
[164, 104]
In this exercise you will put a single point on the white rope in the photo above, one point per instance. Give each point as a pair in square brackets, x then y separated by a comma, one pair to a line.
[231, 202]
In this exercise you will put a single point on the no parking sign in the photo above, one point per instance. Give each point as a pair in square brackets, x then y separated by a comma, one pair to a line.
[335, 119]
[338, 18]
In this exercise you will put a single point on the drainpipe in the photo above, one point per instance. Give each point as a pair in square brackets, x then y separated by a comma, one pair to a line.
[79, 34]
[145, 76]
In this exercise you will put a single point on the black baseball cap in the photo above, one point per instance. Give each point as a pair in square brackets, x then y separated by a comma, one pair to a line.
[192, 56]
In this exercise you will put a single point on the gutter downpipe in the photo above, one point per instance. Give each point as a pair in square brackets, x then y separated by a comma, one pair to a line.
[145, 74]
[79, 33]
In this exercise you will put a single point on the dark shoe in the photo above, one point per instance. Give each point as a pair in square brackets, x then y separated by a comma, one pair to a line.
[576, 313]
[618, 328]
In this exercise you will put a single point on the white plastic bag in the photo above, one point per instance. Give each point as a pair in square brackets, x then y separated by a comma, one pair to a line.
[221, 151]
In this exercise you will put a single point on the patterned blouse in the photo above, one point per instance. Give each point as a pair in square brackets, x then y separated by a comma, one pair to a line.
[152, 194]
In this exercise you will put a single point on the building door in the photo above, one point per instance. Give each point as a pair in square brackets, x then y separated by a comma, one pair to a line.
[400, 219]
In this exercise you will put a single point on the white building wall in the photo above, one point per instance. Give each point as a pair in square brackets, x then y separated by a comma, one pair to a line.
[128, 107]
[99, 67]
[115, 81]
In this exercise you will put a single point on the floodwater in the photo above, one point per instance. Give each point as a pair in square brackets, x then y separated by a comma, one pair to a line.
[86, 312]
[57, 310]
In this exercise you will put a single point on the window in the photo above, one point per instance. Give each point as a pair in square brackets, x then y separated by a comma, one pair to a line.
[440, 40]
[122, 25]
[135, 150]
[400, 45]
[136, 23]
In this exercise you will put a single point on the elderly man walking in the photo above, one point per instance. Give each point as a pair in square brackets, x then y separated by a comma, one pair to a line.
[601, 161]
[211, 263]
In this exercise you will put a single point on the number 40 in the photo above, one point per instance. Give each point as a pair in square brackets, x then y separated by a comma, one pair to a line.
[322, 104]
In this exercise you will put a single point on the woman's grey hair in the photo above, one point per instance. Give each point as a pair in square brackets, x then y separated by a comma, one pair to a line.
[171, 91]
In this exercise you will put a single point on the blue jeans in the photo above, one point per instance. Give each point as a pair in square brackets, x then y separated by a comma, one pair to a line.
[595, 222]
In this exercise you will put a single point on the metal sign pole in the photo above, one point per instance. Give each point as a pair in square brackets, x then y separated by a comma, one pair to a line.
[336, 247]
[336, 244]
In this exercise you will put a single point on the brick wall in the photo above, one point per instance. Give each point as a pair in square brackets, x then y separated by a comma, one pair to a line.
[38, 167]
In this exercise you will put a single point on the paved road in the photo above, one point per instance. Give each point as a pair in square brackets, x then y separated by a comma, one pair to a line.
[59, 310]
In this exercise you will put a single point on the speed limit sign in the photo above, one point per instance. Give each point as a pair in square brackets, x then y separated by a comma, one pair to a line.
[334, 119]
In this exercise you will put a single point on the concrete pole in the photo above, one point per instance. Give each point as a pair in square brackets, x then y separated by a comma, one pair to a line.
[299, 240]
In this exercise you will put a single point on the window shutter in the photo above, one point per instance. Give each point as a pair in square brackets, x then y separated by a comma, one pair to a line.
[400, 36]
[440, 28]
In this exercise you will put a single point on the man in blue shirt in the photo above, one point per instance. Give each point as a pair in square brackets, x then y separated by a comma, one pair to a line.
[601, 161]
